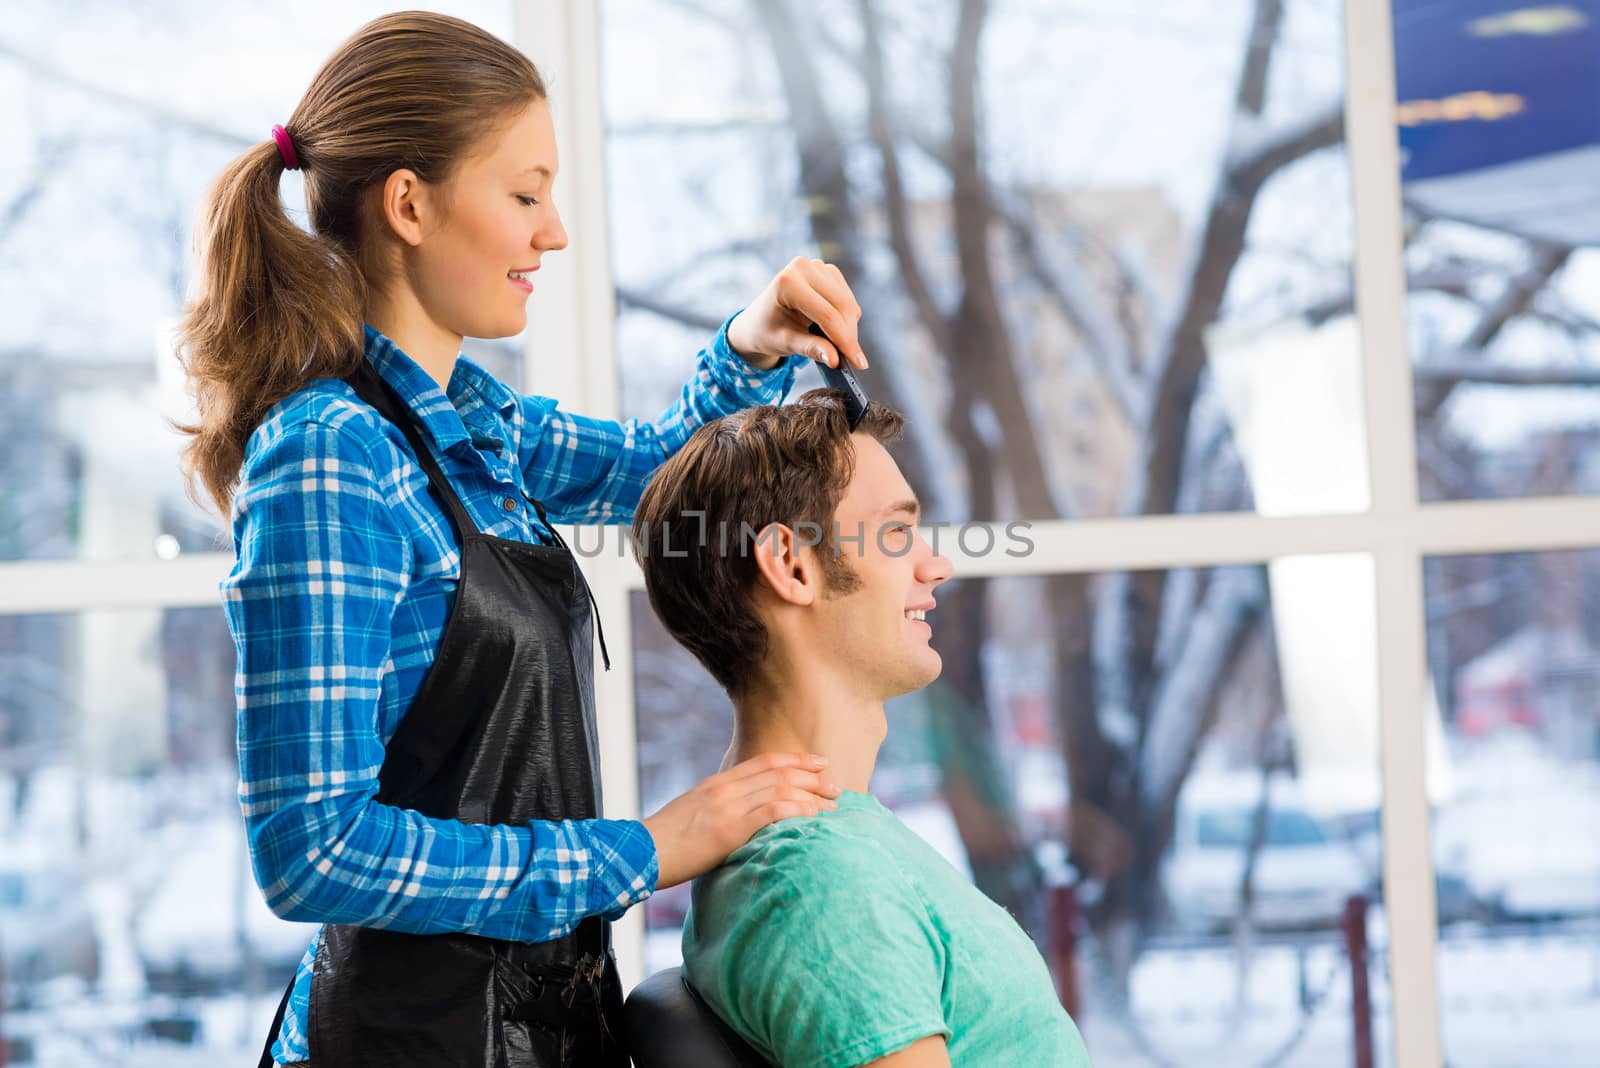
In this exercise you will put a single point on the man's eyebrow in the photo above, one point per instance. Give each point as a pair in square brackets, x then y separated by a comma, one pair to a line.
[910, 505]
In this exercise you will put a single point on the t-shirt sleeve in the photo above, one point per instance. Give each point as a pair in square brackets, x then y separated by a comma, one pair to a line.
[831, 960]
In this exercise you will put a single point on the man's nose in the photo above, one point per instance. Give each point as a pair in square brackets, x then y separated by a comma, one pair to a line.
[935, 570]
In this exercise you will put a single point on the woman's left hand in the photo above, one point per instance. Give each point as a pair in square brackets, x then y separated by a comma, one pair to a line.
[777, 322]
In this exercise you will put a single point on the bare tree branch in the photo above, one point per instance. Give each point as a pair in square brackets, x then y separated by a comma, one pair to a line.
[1104, 343]
[1136, 283]
[1174, 729]
[984, 363]
[1452, 371]
[710, 14]
[821, 31]
[678, 273]
[933, 318]
[187, 123]
[696, 127]
[1221, 244]
[52, 155]
[1154, 488]
[18, 209]
[831, 42]
[935, 149]
[1545, 262]
[1095, 766]
[1574, 324]
[1443, 475]
[642, 301]
[1263, 40]
[833, 215]
[1249, 170]
[1455, 281]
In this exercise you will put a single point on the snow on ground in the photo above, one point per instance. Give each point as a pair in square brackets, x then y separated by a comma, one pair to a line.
[1510, 998]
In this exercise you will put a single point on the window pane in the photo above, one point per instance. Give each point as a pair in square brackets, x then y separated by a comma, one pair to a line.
[1112, 276]
[115, 125]
[1181, 818]
[1514, 646]
[131, 930]
[1499, 168]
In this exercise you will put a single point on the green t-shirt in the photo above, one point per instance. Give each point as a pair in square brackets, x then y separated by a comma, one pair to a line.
[832, 941]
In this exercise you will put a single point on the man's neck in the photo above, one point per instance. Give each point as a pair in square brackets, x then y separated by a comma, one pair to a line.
[817, 715]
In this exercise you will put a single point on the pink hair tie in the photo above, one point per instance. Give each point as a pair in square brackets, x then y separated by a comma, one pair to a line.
[291, 159]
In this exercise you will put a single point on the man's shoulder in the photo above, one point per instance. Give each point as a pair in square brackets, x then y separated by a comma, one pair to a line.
[827, 892]
[845, 840]
[800, 856]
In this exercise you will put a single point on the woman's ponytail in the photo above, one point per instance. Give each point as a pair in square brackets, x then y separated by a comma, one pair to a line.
[276, 307]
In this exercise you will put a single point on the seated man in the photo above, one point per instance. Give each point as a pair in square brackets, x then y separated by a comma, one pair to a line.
[782, 550]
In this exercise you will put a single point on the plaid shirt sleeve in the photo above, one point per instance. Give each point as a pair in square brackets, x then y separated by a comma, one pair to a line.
[321, 570]
[594, 470]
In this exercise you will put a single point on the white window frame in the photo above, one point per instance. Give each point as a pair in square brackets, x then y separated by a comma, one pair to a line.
[571, 355]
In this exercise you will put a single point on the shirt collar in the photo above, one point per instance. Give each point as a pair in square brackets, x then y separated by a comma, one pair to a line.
[488, 389]
[439, 418]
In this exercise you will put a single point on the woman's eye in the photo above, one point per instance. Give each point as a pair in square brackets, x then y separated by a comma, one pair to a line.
[527, 202]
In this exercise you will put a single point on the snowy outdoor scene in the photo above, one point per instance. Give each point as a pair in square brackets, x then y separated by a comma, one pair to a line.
[1105, 253]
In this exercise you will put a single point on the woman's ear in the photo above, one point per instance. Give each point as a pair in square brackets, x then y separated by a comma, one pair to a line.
[785, 565]
[405, 205]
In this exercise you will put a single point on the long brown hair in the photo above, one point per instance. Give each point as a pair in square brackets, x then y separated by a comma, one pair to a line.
[278, 307]
[734, 477]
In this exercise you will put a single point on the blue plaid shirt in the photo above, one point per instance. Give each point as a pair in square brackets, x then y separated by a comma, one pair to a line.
[346, 570]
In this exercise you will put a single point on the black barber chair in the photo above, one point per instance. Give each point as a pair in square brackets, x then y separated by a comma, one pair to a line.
[670, 1027]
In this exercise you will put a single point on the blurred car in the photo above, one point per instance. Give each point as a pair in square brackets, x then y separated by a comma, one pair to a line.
[1302, 877]
[1529, 856]
[1521, 826]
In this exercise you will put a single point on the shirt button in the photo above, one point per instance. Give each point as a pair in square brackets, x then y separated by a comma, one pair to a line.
[510, 504]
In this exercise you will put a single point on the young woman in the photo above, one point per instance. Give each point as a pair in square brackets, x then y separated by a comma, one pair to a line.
[416, 719]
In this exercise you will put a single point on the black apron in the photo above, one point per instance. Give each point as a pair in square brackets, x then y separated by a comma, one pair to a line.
[501, 731]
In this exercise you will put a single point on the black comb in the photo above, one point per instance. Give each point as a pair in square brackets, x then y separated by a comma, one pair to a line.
[843, 379]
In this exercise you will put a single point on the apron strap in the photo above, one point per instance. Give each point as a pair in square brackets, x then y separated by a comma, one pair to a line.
[370, 387]
[594, 608]
[277, 1025]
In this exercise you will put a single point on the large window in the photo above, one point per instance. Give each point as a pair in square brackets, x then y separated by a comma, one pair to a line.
[1296, 390]
[1514, 643]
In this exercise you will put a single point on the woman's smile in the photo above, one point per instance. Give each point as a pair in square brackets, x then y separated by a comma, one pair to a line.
[522, 277]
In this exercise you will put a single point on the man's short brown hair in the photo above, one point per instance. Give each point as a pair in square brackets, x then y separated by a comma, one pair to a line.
[696, 522]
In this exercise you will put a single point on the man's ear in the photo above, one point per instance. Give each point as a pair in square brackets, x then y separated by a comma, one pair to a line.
[786, 565]
[406, 201]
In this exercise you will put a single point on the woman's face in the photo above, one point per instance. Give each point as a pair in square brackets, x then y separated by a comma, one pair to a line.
[473, 269]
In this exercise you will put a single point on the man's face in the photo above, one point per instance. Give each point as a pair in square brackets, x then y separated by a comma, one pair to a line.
[868, 625]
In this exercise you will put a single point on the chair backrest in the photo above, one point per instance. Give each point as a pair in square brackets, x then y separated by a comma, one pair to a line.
[669, 1026]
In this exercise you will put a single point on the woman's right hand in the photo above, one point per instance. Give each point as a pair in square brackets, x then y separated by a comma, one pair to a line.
[696, 831]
